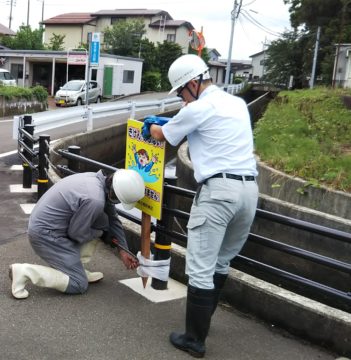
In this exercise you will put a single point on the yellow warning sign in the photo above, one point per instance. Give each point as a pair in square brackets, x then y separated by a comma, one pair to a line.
[147, 157]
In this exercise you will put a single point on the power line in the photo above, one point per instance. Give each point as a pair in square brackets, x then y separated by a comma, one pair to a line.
[256, 23]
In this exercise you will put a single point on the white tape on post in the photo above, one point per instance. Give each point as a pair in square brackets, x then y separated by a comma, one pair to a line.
[16, 120]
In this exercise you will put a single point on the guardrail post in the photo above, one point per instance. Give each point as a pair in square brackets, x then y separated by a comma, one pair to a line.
[43, 167]
[163, 106]
[72, 163]
[132, 112]
[89, 118]
[163, 243]
[27, 171]
[15, 126]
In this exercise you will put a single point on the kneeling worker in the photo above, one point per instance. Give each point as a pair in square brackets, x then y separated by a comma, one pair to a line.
[66, 224]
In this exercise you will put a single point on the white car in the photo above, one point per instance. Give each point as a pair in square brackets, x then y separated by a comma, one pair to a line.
[73, 93]
[6, 78]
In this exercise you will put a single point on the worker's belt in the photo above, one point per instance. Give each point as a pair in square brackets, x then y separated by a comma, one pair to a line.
[232, 176]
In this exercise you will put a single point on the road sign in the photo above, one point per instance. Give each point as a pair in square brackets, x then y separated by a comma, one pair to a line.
[95, 49]
[76, 59]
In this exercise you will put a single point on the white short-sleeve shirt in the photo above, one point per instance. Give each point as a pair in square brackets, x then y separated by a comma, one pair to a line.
[219, 133]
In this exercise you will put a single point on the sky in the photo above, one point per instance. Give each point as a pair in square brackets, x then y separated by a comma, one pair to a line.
[259, 21]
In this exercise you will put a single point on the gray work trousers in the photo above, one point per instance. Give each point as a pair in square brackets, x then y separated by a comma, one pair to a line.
[62, 254]
[219, 224]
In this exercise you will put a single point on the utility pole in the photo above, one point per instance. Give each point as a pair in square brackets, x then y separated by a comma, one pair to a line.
[229, 59]
[42, 12]
[315, 58]
[28, 12]
[10, 18]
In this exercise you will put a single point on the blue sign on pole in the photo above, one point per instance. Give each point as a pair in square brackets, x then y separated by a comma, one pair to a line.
[95, 49]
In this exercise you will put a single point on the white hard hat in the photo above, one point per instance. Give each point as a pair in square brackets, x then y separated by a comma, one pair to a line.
[129, 187]
[186, 68]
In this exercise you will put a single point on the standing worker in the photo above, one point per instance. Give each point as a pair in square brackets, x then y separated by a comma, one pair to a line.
[65, 225]
[218, 129]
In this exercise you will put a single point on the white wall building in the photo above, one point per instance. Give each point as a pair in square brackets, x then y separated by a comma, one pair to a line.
[49, 69]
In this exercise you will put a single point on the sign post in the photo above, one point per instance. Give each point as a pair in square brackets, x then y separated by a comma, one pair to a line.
[147, 157]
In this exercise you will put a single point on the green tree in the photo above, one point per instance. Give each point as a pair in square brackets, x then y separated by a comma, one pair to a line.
[56, 42]
[204, 53]
[334, 18]
[147, 51]
[166, 53]
[25, 39]
[124, 37]
[285, 58]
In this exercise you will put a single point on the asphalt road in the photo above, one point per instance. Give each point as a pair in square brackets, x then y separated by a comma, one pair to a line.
[110, 321]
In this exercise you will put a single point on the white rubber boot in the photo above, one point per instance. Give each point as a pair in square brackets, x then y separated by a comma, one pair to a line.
[39, 275]
[86, 252]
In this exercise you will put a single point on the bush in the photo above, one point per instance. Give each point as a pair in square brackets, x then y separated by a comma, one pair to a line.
[151, 81]
[238, 80]
[10, 92]
[40, 93]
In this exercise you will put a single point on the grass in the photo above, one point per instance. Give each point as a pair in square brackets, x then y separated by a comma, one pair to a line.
[307, 133]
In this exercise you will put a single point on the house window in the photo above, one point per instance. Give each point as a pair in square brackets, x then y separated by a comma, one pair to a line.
[171, 38]
[128, 76]
[17, 71]
[93, 74]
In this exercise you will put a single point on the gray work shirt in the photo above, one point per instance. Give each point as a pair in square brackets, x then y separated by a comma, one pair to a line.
[76, 208]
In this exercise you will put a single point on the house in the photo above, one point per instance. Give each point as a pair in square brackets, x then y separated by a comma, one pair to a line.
[159, 26]
[238, 68]
[117, 75]
[217, 71]
[213, 54]
[74, 26]
[258, 65]
[6, 31]
[342, 66]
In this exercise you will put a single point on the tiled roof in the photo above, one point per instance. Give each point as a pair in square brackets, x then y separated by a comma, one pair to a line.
[172, 23]
[71, 18]
[6, 31]
[132, 12]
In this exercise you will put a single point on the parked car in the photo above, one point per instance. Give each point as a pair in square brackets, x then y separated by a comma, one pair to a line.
[73, 93]
[6, 78]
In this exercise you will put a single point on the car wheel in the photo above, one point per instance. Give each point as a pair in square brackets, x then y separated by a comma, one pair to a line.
[79, 102]
[98, 100]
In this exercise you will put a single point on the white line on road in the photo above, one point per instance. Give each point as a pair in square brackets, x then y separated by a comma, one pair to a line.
[18, 188]
[8, 153]
[27, 208]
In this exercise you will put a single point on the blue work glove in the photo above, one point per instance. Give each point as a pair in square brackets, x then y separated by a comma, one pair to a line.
[150, 120]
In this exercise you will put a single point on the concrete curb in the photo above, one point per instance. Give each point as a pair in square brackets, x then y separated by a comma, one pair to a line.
[300, 316]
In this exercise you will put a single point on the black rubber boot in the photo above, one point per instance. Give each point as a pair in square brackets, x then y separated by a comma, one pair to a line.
[218, 281]
[198, 318]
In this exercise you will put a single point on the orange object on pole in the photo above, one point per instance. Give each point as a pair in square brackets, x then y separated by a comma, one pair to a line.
[145, 239]
[197, 41]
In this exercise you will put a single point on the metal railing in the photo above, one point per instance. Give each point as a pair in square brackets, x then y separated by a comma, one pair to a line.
[49, 120]
[33, 160]
[165, 235]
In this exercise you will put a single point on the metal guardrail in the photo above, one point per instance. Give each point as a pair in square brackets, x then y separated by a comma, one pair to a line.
[33, 160]
[165, 235]
[48, 120]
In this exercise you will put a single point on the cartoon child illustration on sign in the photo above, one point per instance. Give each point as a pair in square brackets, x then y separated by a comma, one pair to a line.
[144, 164]
[142, 159]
